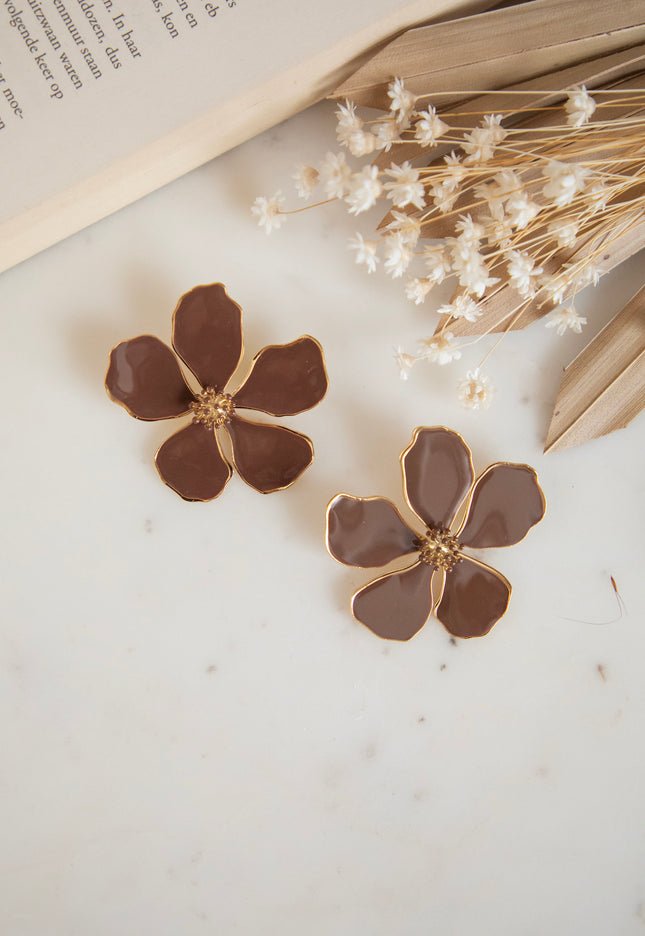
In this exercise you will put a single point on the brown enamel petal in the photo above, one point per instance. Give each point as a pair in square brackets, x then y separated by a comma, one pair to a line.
[269, 458]
[397, 605]
[367, 531]
[285, 379]
[506, 502]
[144, 376]
[437, 475]
[474, 598]
[207, 334]
[191, 463]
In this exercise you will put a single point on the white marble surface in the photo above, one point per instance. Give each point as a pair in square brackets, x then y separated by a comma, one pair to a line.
[196, 736]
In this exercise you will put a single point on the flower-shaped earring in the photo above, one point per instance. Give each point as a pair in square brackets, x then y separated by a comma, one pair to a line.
[503, 504]
[144, 376]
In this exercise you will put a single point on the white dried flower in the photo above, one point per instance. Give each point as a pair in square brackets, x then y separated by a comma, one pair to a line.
[565, 181]
[522, 272]
[588, 275]
[408, 227]
[598, 193]
[361, 143]
[471, 232]
[363, 189]
[507, 183]
[580, 274]
[439, 349]
[437, 263]
[554, 286]
[562, 319]
[348, 122]
[268, 211]
[405, 188]
[365, 251]
[475, 391]
[520, 210]
[417, 289]
[386, 133]
[579, 106]
[455, 169]
[499, 231]
[397, 255]
[402, 100]
[429, 127]
[565, 232]
[443, 195]
[493, 124]
[495, 204]
[471, 267]
[463, 306]
[335, 174]
[495, 193]
[306, 179]
[481, 142]
[574, 277]
[404, 362]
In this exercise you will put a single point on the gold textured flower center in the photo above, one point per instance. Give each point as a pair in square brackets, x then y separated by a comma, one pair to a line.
[212, 408]
[440, 549]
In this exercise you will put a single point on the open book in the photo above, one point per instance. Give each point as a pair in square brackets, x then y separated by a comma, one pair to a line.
[103, 101]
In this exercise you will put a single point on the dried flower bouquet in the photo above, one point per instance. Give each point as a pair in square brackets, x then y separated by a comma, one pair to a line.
[522, 196]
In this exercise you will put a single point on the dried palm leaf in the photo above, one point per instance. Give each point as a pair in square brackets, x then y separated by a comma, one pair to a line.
[603, 389]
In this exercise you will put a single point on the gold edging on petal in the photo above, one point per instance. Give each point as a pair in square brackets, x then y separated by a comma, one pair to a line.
[440, 590]
[288, 344]
[193, 500]
[172, 328]
[378, 579]
[415, 436]
[127, 408]
[274, 426]
[496, 573]
[356, 498]
[467, 502]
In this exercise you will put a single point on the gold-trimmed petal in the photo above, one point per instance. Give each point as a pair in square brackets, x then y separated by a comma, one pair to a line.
[367, 531]
[506, 502]
[269, 458]
[474, 598]
[437, 474]
[397, 605]
[285, 379]
[192, 464]
[207, 334]
[144, 377]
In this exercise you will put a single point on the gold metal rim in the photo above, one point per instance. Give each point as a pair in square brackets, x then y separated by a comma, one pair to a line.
[415, 436]
[284, 429]
[172, 328]
[287, 345]
[374, 497]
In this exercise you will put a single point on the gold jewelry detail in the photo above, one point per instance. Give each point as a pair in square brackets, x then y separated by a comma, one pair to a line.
[440, 549]
[212, 408]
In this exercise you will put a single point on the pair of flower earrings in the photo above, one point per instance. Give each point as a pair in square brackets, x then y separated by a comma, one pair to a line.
[453, 509]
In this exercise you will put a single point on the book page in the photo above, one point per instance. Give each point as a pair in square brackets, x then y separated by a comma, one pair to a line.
[147, 90]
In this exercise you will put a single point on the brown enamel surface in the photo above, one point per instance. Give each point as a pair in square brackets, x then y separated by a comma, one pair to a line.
[207, 334]
[438, 473]
[396, 606]
[145, 377]
[285, 379]
[474, 598]
[191, 463]
[506, 502]
[269, 458]
[367, 532]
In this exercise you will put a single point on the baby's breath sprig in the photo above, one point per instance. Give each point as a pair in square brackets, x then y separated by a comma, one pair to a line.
[525, 200]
